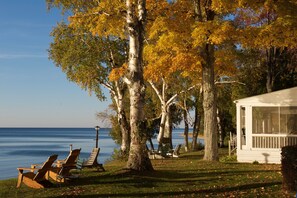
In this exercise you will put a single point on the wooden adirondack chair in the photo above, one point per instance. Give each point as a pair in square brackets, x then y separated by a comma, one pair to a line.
[175, 152]
[91, 162]
[38, 179]
[62, 170]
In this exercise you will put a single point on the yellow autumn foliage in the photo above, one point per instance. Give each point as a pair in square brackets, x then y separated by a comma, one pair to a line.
[117, 73]
[223, 6]
[104, 20]
[225, 62]
[213, 32]
[270, 24]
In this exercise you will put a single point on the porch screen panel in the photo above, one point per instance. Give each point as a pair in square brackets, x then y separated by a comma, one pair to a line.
[274, 127]
[242, 126]
[288, 120]
[266, 120]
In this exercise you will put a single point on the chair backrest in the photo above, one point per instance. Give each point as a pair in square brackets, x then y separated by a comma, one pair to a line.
[45, 167]
[72, 157]
[70, 163]
[176, 149]
[79, 164]
[93, 156]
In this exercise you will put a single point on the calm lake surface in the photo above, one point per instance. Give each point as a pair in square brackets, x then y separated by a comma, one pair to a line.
[21, 147]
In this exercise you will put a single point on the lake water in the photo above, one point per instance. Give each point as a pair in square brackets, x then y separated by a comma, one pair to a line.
[21, 147]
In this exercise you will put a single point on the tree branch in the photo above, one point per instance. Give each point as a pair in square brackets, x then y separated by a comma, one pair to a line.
[177, 94]
[156, 90]
[229, 82]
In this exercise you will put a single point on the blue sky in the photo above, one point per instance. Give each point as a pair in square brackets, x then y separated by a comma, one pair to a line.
[33, 91]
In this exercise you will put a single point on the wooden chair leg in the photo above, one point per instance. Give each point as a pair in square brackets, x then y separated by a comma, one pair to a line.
[20, 179]
[46, 176]
[33, 184]
[100, 166]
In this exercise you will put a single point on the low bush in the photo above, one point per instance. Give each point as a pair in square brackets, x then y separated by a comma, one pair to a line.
[255, 162]
[232, 158]
[289, 168]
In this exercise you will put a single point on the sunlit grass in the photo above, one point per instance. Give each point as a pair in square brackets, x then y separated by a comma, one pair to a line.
[187, 176]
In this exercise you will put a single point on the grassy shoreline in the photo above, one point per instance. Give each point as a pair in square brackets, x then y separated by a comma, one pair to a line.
[187, 176]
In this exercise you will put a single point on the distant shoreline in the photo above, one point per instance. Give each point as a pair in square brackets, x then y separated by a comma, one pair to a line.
[200, 136]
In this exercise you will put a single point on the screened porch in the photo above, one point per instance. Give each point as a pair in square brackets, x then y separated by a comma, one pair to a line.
[265, 124]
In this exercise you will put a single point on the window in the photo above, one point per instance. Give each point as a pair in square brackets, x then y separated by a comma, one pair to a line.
[242, 125]
[275, 120]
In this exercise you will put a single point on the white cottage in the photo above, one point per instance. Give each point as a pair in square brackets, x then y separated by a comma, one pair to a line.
[266, 123]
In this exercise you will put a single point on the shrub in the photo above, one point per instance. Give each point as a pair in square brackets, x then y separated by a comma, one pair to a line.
[118, 155]
[256, 162]
[199, 146]
[232, 158]
[289, 167]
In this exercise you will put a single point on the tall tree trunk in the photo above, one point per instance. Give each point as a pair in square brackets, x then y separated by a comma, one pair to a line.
[221, 138]
[274, 66]
[164, 108]
[209, 106]
[269, 70]
[162, 124]
[124, 125]
[138, 157]
[166, 121]
[117, 94]
[165, 128]
[151, 144]
[208, 86]
[197, 121]
[196, 130]
[186, 130]
[117, 91]
[168, 128]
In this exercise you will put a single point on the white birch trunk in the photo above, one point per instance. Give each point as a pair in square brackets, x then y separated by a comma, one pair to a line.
[138, 157]
[122, 120]
[118, 95]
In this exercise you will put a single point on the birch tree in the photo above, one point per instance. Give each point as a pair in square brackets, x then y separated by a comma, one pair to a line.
[170, 58]
[136, 19]
[125, 20]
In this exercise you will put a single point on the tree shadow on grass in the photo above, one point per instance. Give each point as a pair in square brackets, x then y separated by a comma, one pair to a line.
[155, 178]
[138, 180]
[176, 192]
[181, 182]
[191, 156]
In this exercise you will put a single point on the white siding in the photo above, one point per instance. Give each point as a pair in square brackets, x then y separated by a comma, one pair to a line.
[261, 156]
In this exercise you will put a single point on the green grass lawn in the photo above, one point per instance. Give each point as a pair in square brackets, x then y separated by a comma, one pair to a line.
[187, 176]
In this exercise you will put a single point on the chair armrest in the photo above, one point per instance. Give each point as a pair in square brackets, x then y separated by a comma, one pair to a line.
[60, 161]
[27, 168]
[36, 165]
[68, 165]
[21, 169]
